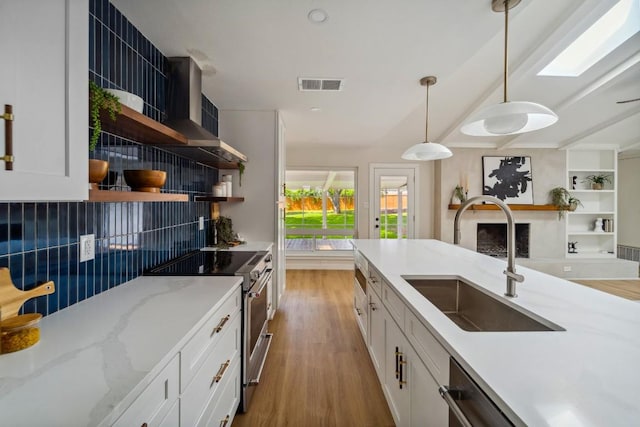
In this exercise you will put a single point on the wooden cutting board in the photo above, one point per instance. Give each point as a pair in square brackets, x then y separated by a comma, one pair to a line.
[12, 298]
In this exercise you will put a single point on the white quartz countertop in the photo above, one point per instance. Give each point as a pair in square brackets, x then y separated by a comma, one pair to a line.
[587, 375]
[244, 247]
[96, 356]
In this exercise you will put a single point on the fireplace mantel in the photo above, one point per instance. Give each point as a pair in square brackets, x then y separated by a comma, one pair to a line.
[492, 207]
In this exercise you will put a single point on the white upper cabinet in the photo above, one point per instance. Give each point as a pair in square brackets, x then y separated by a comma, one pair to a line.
[44, 76]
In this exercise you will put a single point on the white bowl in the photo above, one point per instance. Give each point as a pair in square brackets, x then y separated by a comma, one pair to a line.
[130, 100]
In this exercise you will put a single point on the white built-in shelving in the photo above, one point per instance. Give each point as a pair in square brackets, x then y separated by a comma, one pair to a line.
[581, 224]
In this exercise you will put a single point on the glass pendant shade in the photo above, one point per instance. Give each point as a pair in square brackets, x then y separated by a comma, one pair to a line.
[508, 118]
[427, 151]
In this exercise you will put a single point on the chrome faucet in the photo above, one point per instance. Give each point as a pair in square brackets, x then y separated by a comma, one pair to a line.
[512, 276]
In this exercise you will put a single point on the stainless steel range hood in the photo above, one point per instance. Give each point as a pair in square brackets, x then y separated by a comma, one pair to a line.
[184, 114]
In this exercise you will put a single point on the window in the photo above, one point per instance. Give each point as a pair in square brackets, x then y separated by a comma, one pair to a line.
[614, 28]
[321, 209]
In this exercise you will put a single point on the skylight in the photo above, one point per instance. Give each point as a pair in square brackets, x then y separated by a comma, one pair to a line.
[616, 26]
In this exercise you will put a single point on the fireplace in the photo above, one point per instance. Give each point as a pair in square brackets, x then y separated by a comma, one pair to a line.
[492, 240]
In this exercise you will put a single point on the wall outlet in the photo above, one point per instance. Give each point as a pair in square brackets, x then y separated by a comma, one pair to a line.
[566, 268]
[201, 223]
[87, 247]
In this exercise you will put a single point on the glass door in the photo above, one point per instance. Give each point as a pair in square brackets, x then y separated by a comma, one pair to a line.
[392, 216]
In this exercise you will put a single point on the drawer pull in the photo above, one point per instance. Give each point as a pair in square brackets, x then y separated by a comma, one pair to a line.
[223, 321]
[220, 373]
[224, 422]
[8, 137]
[144, 425]
[359, 311]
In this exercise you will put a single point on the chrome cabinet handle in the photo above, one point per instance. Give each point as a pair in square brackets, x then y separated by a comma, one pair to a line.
[401, 363]
[358, 311]
[8, 137]
[223, 321]
[220, 373]
[373, 306]
[224, 422]
[455, 409]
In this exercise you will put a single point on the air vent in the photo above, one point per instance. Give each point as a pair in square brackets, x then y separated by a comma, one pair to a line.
[309, 84]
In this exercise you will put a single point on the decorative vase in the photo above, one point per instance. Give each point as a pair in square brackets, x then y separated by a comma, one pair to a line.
[97, 171]
[597, 227]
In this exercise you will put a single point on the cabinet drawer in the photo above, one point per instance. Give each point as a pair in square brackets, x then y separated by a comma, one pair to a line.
[214, 371]
[434, 356]
[220, 412]
[361, 308]
[173, 417]
[375, 281]
[156, 401]
[196, 350]
[393, 303]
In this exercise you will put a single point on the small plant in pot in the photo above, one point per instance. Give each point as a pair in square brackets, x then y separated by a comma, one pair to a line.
[563, 200]
[99, 100]
[597, 181]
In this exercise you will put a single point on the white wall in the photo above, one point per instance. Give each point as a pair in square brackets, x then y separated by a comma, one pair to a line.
[360, 158]
[629, 201]
[548, 170]
[254, 134]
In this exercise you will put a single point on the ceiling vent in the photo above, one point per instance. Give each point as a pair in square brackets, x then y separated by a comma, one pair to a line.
[326, 85]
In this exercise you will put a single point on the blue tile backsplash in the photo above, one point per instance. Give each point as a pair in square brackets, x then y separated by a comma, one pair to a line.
[39, 241]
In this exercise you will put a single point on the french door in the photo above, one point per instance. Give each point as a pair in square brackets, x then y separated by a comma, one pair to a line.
[393, 200]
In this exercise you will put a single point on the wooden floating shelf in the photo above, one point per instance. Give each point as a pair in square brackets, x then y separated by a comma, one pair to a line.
[135, 196]
[135, 126]
[138, 127]
[218, 199]
[492, 207]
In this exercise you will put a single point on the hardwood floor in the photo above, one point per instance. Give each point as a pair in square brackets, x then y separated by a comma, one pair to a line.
[629, 289]
[318, 371]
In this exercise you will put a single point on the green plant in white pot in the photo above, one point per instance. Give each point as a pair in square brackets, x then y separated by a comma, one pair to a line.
[563, 200]
[597, 181]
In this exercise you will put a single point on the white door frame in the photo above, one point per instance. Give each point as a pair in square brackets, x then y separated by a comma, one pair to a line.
[373, 232]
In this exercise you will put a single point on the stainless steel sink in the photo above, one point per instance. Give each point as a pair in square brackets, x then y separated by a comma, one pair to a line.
[475, 310]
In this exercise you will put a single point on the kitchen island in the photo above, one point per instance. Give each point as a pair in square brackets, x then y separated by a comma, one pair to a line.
[96, 357]
[584, 375]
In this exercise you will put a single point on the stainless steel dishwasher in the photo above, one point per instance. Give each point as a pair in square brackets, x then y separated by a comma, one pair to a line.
[469, 406]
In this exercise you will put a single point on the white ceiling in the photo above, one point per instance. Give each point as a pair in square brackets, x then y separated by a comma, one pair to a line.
[382, 48]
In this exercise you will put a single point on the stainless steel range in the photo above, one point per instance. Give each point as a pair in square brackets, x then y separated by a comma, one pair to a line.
[256, 269]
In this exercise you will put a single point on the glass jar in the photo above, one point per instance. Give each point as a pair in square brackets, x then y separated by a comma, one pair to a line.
[19, 332]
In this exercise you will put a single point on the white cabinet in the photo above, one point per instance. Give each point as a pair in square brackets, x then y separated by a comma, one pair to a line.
[201, 384]
[396, 372]
[410, 363]
[377, 333]
[44, 77]
[592, 227]
[156, 401]
[361, 308]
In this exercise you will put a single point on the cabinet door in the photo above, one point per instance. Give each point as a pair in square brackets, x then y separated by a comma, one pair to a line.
[377, 333]
[44, 76]
[428, 409]
[397, 373]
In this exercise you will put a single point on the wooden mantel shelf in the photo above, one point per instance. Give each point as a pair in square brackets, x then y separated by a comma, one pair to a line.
[135, 196]
[492, 207]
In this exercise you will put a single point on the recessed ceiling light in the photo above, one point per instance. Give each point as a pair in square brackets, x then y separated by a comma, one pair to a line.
[315, 109]
[317, 16]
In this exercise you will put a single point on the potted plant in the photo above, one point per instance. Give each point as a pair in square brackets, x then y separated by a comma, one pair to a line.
[597, 181]
[99, 99]
[563, 200]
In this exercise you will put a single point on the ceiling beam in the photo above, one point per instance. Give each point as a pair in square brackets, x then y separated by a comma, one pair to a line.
[601, 81]
[575, 140]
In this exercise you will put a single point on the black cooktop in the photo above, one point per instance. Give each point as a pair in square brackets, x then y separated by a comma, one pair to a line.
[203, 263]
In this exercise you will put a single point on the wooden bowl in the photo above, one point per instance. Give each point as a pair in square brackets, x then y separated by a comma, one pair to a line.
[146, 180]
[97, 171]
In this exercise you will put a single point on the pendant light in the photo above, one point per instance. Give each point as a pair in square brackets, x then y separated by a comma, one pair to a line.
[508, 117]
[427, 150]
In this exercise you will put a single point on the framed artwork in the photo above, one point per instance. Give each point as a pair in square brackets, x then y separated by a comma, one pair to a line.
[508, 178]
